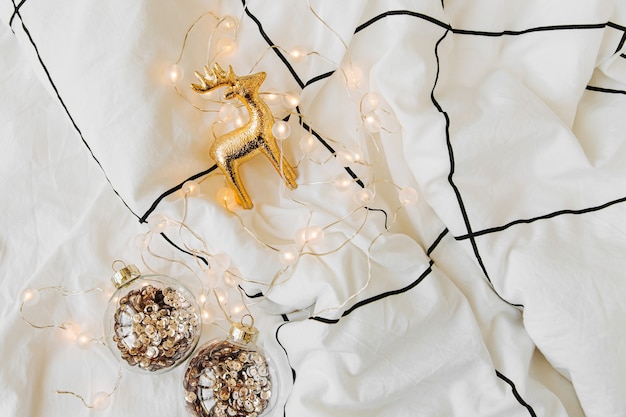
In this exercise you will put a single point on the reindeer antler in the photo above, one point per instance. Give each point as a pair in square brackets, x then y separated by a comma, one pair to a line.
[214, 78]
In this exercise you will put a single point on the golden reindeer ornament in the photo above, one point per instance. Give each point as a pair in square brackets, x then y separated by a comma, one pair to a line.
[233, 148]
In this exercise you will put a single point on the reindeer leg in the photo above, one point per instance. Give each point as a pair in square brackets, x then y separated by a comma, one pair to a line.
[286, 171]
[231, 170]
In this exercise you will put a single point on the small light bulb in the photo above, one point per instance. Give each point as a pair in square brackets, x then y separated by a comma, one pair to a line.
[297, 54]
[308, 144]
[344, 158]
[72, 330]
[309, 235]
[174, 73]
[342, 181]
[228, 112]
[190, 188]
[288, 255]
[363, 196]
[281, 130]
[408, 196]
[230, 280]
[357, 156]
[370, 102]
[30, 296]
[271, 97]
[209, 314]
[372, 124]
[354, 76]
[228, 24]
[157, 222]
[226, 197]
[291, 100]
[202, 298]
[101, 401]
[84, 340]
[222, 295]
[237, 308]
[226, 46]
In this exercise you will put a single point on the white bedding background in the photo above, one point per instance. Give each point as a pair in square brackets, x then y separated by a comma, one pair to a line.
[500, 293]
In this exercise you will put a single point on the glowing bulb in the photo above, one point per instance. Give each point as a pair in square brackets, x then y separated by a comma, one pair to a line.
[226, 197]
[344, 158]
[84, 340]
[342, 181]
[209, 314]
[271, 97]
[30, 296]
[281, 130]
[357, 156]
[228, 112]
[354, 76]
[101, 401]
[190, 188]
[291, 100]
[308, 144]
[237, 308]
[230, 280]
[311, 234]
[72, 330]
[226, 46]
[297, 54]
[158, 222]
[202, 298]
[174, 73]
[363, 196]
[288, 255]
[408, 196]
[222, 295]
[370, 102]
[372, 124]
[228, 24]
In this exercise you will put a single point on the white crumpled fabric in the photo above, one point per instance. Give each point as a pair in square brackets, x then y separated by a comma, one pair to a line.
[500, 293]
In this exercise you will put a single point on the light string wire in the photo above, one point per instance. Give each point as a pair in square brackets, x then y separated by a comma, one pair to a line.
[303, 249]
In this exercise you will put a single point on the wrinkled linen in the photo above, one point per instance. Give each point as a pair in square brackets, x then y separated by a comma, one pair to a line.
[500, 293]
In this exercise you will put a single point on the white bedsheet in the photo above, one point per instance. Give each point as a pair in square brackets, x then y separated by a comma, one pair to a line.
[500, 293]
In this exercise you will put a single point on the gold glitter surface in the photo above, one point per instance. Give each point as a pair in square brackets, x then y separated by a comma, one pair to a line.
[235, 147]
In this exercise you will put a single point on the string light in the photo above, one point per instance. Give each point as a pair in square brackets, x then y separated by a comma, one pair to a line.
[309, 235]
[158, 222]
[372, 123]
[297, 54]
[343, 181]
[228, 24]
[174, 73]
[228, 112]
[30, 296]
[84, 340]
[363, 196]
[226, 46]
[281, 130]
[288, 255]
[291, 100]
[308, 144]
[344, 158]
[190, 188]
[408, 196]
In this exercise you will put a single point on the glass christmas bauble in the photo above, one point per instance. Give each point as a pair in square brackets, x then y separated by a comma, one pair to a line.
[230, 377]
[152, 322]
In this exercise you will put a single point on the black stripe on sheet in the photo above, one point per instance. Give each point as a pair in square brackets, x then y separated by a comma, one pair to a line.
[621, 43]
[172, 190]
[455, 189]
[544, 217]
[516, 394]
[437, 241]
[16, 10]
[272, 44]
[69, 115]
[318, 78]
[481, 32]
[168, 240]
[377, 297]
[604, 90]
[293, 371]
